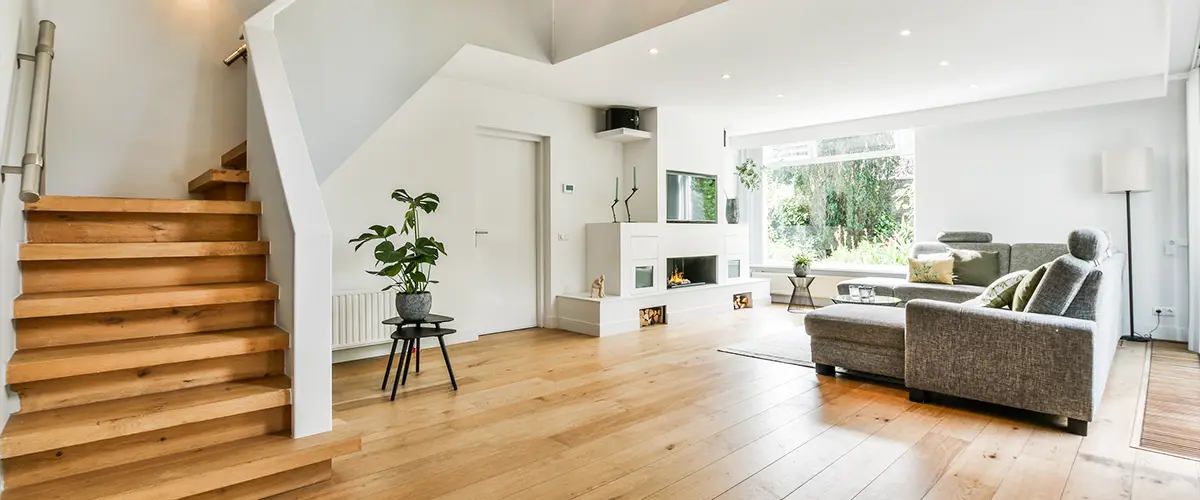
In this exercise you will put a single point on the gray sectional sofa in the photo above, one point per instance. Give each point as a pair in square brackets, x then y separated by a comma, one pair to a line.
[1012, 257]
[1053, 358]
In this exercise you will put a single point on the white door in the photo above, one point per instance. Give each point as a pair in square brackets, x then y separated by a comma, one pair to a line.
[505, 282]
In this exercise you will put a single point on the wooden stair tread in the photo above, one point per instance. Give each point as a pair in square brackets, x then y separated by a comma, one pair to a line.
[35, 305]
[31, 252]
[236, 157]
[142, 205]
[28, 365]
[199, 471]
[218, 177]
[51, 429]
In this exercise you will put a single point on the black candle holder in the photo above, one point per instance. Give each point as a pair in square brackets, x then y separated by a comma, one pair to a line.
[614, 209]
[628, 214]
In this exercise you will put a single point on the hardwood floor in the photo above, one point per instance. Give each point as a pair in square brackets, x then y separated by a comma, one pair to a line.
[544, 414]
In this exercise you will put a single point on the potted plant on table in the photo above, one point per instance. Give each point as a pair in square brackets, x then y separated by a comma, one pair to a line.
[800, 264]
[409, 265]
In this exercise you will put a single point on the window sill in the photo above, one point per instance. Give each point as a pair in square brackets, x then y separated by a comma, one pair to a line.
[845, 270]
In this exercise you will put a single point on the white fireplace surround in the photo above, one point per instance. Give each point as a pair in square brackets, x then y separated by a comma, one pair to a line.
[633, 259]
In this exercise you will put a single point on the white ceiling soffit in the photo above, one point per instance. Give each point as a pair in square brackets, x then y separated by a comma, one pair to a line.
[584, 25]
[801, 62]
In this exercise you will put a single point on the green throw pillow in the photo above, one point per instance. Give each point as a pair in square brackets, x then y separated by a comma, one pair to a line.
[1001, 292]
[1028, 284]
[975, 268]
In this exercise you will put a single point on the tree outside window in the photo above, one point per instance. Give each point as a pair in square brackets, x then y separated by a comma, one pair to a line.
[846, 200]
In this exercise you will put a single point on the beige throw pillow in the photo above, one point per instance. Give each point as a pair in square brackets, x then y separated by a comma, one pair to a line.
[931, 269]
[1001, 292]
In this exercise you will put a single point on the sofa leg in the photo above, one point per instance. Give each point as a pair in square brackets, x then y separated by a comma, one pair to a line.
[1077, 427]
[827, 370]
[918, 396]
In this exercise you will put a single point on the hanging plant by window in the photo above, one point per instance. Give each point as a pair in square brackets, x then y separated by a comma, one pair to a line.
[749, 174]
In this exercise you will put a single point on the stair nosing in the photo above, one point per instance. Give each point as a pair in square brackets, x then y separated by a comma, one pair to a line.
[34, 252]
[22, 302]
[143, 205]
[229, 342]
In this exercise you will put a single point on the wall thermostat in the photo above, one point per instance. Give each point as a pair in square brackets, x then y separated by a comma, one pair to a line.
[569, 188]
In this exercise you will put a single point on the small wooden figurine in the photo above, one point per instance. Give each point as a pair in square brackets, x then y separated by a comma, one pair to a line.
[598, 287]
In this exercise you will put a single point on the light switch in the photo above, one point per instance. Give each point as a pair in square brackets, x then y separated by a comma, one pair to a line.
[564, 237]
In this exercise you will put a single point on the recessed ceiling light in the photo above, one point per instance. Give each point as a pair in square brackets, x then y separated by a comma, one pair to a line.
[905, 32]
[653, 51]
[944, 63]
[974, 86]
[779, 96]
[726, 76]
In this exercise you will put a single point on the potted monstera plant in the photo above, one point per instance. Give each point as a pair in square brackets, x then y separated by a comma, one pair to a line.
[408, 265]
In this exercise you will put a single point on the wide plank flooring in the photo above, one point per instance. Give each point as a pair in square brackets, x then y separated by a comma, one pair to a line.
[545, 414]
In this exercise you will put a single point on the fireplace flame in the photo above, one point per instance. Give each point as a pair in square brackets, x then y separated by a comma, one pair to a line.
[677, 278]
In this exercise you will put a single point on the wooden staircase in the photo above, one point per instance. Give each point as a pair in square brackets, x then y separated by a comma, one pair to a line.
[148, 363]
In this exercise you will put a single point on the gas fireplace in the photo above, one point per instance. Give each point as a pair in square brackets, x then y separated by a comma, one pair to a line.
[691, 271]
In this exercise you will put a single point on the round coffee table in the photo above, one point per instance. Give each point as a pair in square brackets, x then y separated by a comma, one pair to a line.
[878, 300]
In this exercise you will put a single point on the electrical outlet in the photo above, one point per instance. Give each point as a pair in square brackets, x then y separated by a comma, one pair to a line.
[1164, 311]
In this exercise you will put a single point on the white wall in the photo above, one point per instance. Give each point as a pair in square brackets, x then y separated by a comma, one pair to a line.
[353, 64]
[139, 101]
[1035, 178]
[427, 146]
[584, 25]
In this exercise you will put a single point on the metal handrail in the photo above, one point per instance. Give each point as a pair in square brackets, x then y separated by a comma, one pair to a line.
[32, 181]
[239, 53]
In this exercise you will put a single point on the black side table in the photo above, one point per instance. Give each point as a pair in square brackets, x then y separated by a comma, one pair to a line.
[411, 333]
[799, 283]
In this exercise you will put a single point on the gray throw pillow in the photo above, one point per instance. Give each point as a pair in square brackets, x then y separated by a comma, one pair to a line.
[972, 267]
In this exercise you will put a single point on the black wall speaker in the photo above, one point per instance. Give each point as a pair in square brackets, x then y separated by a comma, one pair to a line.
[615, 118]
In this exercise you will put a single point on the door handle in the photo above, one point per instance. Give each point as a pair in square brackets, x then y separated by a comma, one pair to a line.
[481, 232]
[477, 233]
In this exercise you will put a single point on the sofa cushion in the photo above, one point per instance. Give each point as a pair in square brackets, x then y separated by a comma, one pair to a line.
[1029, 256]
[972, 267]
[1003, 251]
[1027, 286]
[944, 293]
[1064, 277]
[931, 269]
[1001, 292]
[964, 237]
[883, 286]
[857, 323]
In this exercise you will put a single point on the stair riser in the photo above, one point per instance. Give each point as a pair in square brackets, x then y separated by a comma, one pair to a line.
[59, 463]
[84, 389]
[73, 435]
[87, 328]
[106, 227]
[71, 366]
[75, 275]
[230, 192]
[97, 251]
[149, 298]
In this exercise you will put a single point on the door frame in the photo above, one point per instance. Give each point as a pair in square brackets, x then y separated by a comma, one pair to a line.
[541, 221]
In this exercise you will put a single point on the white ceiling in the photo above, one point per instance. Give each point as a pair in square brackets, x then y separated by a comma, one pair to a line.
[844, 59]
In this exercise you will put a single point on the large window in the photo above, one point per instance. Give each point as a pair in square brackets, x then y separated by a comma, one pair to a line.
[844, 200]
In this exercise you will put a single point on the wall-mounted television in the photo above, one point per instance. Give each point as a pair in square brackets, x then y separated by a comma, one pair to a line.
[691, 198]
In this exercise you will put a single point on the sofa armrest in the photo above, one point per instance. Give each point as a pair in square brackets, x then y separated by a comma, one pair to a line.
[1033, 361]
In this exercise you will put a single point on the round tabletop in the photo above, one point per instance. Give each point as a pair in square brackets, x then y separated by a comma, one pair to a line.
[419, 332]
[878, 300]
[802, 281]
[430, 319]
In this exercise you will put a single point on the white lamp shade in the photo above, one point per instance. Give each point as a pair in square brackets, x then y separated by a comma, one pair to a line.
[1127, 170]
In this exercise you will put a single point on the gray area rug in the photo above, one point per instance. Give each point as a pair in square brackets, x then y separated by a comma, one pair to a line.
[786, 347]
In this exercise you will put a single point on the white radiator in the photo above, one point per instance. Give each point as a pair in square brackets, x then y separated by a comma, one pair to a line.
[358, 317]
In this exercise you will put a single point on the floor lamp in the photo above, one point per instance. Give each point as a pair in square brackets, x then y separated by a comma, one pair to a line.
[1128, 171]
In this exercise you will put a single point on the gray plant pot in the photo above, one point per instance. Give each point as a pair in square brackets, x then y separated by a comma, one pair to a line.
[800, 270]
[732, 211]
[413, 306]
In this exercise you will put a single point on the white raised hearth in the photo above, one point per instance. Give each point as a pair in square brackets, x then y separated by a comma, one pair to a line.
[638, 259]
